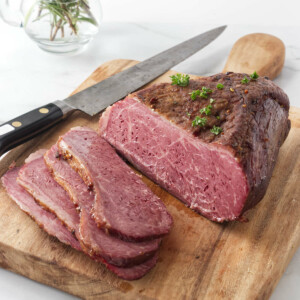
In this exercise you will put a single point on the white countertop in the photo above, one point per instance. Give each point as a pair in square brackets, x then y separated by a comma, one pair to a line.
[30, 77]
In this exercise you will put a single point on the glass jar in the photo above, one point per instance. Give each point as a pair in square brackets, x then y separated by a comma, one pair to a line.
[57, 26]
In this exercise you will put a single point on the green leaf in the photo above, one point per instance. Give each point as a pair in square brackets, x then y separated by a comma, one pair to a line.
[56, 12]
[199, 121]
[64, 13]
[180, 79]
[84, 19]
[216, 130]
[245, 80]
[29, 14]
[194, 94]
[206, 110]
[205, 92]
[254, 75]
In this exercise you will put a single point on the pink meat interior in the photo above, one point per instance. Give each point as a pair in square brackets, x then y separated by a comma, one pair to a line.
[123, 202]
[206, 177]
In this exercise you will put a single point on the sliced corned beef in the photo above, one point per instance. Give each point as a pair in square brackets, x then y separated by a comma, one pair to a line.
[212, 144]
[96, 242]
[36, 178]
[124, 205]
[45, 219]
[53, 226]
[134, 272]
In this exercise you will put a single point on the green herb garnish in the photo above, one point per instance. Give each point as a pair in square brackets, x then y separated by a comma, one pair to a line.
[254, 75]
[211, 100]
[188, 114]
[245, 80]
[199, 121]
[218, 117]
[220, 86]
[206, 110]
[180, 79]
[216, 130]
[205, 92]
[194, 94]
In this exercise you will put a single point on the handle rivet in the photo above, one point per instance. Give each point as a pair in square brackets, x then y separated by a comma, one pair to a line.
[43, 110]
[16, 124]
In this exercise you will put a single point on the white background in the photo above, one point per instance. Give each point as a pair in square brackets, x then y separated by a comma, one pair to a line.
[138, 29]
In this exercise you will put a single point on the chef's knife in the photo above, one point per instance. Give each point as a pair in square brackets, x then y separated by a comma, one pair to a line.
[99, 96]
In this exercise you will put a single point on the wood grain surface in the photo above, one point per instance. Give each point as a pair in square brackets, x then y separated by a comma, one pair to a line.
[262, 52]
[198, 260]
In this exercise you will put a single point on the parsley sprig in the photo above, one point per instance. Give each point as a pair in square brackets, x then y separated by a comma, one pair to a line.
[254, 75]
[199, 121]
[180, 79]
[204, 92]
[220, 86]
[194, 94]
[216, 130]
[245, 80]
[206, 110]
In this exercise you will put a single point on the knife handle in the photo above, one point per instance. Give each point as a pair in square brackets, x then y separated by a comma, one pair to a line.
[28, 125]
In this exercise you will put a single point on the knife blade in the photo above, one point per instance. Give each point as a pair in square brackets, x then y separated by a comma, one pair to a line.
[99, 96]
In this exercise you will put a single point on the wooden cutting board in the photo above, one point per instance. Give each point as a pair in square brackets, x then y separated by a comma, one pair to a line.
[198, 260]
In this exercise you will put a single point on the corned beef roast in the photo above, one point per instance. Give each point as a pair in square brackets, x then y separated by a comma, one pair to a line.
[96, 241]
[212, 144]
[124, 206]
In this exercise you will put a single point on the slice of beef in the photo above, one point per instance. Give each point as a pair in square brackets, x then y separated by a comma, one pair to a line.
[45, 219]
[36, 178]
[96, 242]
[53, 226]
[35, 155]
[177, 141]
[124, 205]
[135, 272]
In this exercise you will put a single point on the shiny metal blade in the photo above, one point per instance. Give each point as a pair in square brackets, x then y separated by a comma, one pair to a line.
[99, 96]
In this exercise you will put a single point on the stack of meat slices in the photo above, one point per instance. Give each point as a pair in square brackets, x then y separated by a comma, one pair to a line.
[83, 193]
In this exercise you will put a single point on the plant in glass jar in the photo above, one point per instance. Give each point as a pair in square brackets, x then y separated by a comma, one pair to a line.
[60, 26]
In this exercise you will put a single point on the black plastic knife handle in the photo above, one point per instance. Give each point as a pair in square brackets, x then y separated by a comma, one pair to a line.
[27, 126]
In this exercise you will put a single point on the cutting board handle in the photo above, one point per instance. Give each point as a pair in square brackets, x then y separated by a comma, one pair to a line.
[260, 52]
